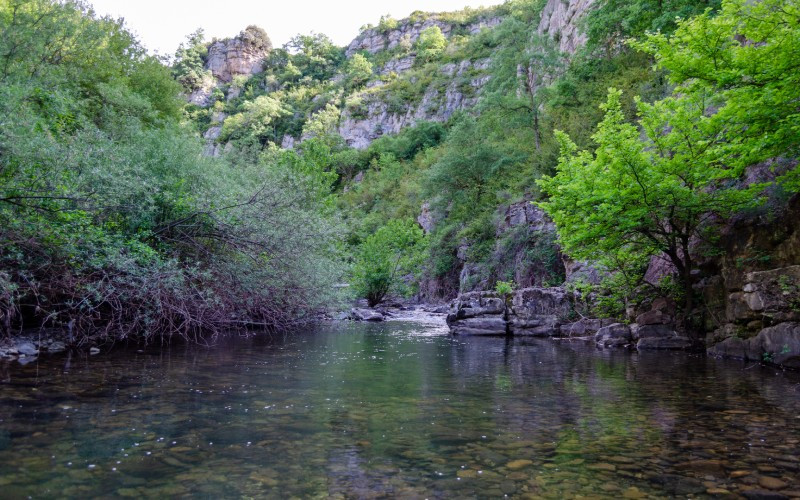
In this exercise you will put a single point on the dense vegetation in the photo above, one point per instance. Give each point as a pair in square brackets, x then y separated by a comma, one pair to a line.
[112, 223]
[111, 219]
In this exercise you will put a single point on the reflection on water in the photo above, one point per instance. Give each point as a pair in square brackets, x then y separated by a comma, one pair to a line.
[396, 409]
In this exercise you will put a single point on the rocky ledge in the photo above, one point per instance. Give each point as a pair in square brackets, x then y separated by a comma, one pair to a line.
[555, 312]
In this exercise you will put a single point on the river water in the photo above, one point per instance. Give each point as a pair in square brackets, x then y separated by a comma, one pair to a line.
[398, 409]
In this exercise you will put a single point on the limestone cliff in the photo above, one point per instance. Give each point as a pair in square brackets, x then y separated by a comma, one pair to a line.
[561, 21]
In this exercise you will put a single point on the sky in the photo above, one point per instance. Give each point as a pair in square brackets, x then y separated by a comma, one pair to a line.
[162, 25]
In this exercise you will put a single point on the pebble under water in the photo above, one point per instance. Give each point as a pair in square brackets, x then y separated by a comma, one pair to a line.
[398, 409]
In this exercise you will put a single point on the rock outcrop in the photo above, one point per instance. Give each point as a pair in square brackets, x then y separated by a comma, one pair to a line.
[535, 312]
[239, 56]
[407, 32]
[560, 22]
[378, 117]
[779, 344]
[553, 312]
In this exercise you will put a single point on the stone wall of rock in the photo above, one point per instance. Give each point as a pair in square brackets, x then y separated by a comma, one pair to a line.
[381, 118]
[555, 312]
[560, 21]
[532, 312]
[375, 40]
[751, 294]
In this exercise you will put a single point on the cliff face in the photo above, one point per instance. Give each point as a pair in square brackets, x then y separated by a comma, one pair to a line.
[234, 57]
[466, 80]
[407, 31]
[227, 59]
[561, 21]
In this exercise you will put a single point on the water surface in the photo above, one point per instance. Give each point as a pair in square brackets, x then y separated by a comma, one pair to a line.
[395, 409]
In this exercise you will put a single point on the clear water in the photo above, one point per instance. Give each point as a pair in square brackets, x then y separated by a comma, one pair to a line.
[395, 410]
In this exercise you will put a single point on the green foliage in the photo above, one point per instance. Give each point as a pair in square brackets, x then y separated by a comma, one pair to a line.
[745, 59]
[431, 44]
[111, 220]
[357, 71]
[385, 257]
[646, 197]
[612, 22]
[189, 66]
[504, 288]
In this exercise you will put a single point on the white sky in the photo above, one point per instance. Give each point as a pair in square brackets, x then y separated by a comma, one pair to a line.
[162, 25]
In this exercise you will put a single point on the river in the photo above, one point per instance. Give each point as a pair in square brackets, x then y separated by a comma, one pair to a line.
[396, 409]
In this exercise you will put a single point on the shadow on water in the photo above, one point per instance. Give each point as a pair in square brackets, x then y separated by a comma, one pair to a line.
[395, 409]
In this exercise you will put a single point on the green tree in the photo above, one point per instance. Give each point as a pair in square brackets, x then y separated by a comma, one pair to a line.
[746, 58]
[611, 22]
[657, 195]
[190, 58]
[385, 257]
[431, 44]
[357, 71]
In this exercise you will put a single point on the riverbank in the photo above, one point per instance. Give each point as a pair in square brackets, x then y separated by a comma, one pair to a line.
[557, 312]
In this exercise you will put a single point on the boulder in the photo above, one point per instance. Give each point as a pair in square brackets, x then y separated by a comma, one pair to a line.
[653, 331]
[27, 349]
[779, 344]
[487, 325]
[584, 327]
[659, 337]
[358, 314]
[540, 312]
[536, 325]
[653, 317]
[614, 335]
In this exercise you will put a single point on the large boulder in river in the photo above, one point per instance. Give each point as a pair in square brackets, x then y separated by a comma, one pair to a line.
[540, 312]
[478, 313]
[358, 314]
[615, 335]
[779, 344]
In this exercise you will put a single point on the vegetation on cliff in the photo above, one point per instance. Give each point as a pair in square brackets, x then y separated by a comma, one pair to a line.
[319, 158]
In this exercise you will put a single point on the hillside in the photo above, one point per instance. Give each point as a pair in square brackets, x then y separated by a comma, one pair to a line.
[446, 122]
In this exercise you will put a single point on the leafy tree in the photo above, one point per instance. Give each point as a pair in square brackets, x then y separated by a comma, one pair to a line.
[358, 71]
[652, 196]
[611, 22]
[746, 58]
[112, 223]
[190, 58]
[523, 70]
[256, 37]
[385, 257]
[431, 44]
[315, 56]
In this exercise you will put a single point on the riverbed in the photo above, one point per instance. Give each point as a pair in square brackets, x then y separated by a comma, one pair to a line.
[396, 409]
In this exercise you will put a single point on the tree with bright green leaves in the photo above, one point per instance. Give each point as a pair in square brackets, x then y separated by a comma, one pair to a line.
[190, 59]
[357, 71]
[385, 257]
[431, 44]
[611, 22]
[661, 187]
[659, 195]
[746, 57]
